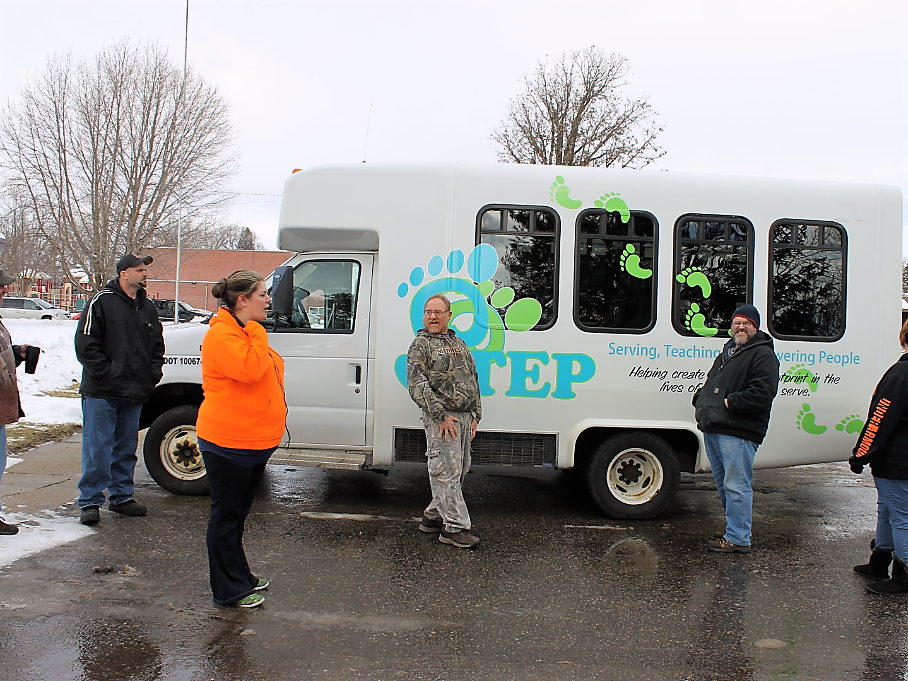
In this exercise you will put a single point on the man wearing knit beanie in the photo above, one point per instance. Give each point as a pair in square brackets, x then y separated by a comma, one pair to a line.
[732, 410]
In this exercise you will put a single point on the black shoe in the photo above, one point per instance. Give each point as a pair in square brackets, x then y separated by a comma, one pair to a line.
[897, 585]
[90, 515]
[877, 568]
[461, 539]
[7, 528]
[429, 525]
[131, 507]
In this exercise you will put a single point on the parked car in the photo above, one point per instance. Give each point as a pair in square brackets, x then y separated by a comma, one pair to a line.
[21, 308]
[187, 312]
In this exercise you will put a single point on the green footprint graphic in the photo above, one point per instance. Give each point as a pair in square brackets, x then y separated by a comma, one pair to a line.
[630, 263]
[693, 276]
[561, 194]
[696, 322]
[800, 374]
[613, 203]
[852, 424]
[807, 421]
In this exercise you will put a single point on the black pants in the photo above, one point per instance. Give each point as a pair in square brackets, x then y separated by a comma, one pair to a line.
[233, 487]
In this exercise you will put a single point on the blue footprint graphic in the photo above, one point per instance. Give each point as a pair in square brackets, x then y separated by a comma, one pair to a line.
[486, 332]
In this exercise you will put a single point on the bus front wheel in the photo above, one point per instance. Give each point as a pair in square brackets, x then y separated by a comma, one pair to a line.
[634, 476]
[171, 452]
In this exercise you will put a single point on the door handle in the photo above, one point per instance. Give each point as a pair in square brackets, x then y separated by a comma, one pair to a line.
[359, 374]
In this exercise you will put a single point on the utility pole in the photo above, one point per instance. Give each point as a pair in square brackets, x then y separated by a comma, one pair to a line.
[176, 297]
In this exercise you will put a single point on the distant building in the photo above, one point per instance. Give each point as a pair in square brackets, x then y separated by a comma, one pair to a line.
[200, 268]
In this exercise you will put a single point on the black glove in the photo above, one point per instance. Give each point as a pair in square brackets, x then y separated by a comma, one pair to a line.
[856, 465]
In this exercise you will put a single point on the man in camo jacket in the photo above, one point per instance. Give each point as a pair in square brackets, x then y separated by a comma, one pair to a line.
[441, 377]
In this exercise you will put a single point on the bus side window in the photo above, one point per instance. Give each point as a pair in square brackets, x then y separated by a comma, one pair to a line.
[526, 240]
[616, 271]
[807, 280]
[713, 273]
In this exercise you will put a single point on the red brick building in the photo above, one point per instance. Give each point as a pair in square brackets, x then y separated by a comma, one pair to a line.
[199, 269]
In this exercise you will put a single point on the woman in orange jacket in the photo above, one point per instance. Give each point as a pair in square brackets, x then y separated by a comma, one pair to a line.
[240, 424]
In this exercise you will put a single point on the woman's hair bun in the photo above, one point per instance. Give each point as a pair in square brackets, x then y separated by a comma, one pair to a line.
[220, 288]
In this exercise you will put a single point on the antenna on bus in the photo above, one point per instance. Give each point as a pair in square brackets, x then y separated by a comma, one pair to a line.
[368, 121]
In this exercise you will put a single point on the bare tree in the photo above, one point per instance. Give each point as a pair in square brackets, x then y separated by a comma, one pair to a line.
[28, 253]
[209, 233]
[105, 149]
[572, 113]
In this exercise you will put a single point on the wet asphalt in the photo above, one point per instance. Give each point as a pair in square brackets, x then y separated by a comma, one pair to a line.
[555, 591]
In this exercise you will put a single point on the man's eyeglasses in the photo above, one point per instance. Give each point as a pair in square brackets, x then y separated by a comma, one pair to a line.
[434, 313]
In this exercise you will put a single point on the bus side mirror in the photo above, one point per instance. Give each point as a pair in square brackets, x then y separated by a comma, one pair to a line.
[282, 291]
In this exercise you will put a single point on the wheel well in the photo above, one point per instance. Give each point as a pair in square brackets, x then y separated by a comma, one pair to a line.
[684, 444]
[167, 397]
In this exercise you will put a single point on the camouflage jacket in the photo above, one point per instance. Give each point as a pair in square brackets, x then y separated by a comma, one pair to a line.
[441, 375]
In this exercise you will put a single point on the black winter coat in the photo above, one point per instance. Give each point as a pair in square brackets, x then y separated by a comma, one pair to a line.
[883, 443]
[749, 380]
[120, 343]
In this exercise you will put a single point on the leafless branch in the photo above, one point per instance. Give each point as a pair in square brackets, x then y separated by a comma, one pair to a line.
[105, 150]
[572, 113]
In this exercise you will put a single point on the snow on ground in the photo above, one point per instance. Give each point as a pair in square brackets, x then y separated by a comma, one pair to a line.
[57, 368]
[38, 533]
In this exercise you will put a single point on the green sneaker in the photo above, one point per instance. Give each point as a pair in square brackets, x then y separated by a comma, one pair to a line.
[262, 584]
[251, 601]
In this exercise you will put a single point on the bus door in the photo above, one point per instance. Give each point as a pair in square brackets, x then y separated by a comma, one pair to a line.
[325, 346]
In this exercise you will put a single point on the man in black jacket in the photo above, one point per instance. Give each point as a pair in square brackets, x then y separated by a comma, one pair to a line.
[732, 410]
[120, 344]
[883, 445]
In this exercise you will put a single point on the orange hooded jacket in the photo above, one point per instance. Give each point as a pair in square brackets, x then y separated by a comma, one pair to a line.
[243, 381]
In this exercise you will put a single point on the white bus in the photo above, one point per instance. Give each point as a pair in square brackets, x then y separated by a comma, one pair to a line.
[594, 302]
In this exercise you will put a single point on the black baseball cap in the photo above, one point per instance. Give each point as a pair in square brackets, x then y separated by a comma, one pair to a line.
[130, 260]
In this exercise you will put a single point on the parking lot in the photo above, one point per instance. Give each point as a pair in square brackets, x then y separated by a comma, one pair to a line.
[555, 591]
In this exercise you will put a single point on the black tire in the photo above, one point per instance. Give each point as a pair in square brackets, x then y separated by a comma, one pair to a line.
[634, 476]
[172, 454]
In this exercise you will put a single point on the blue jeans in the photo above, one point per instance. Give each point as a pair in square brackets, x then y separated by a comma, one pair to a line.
[2, 456]
[110, 435]
[732, 461]
[892, 516]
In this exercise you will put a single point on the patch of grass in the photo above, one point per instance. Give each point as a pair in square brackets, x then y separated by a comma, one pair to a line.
[21, 437]
[69, 391]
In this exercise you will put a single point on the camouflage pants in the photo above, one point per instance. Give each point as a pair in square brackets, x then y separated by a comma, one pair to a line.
[449, 463]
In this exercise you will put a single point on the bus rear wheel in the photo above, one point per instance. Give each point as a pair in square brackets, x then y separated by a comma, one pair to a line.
[634, 476]
[172, 454]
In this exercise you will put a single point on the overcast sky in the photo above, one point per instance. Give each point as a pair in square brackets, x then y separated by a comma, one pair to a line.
[811, 89]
